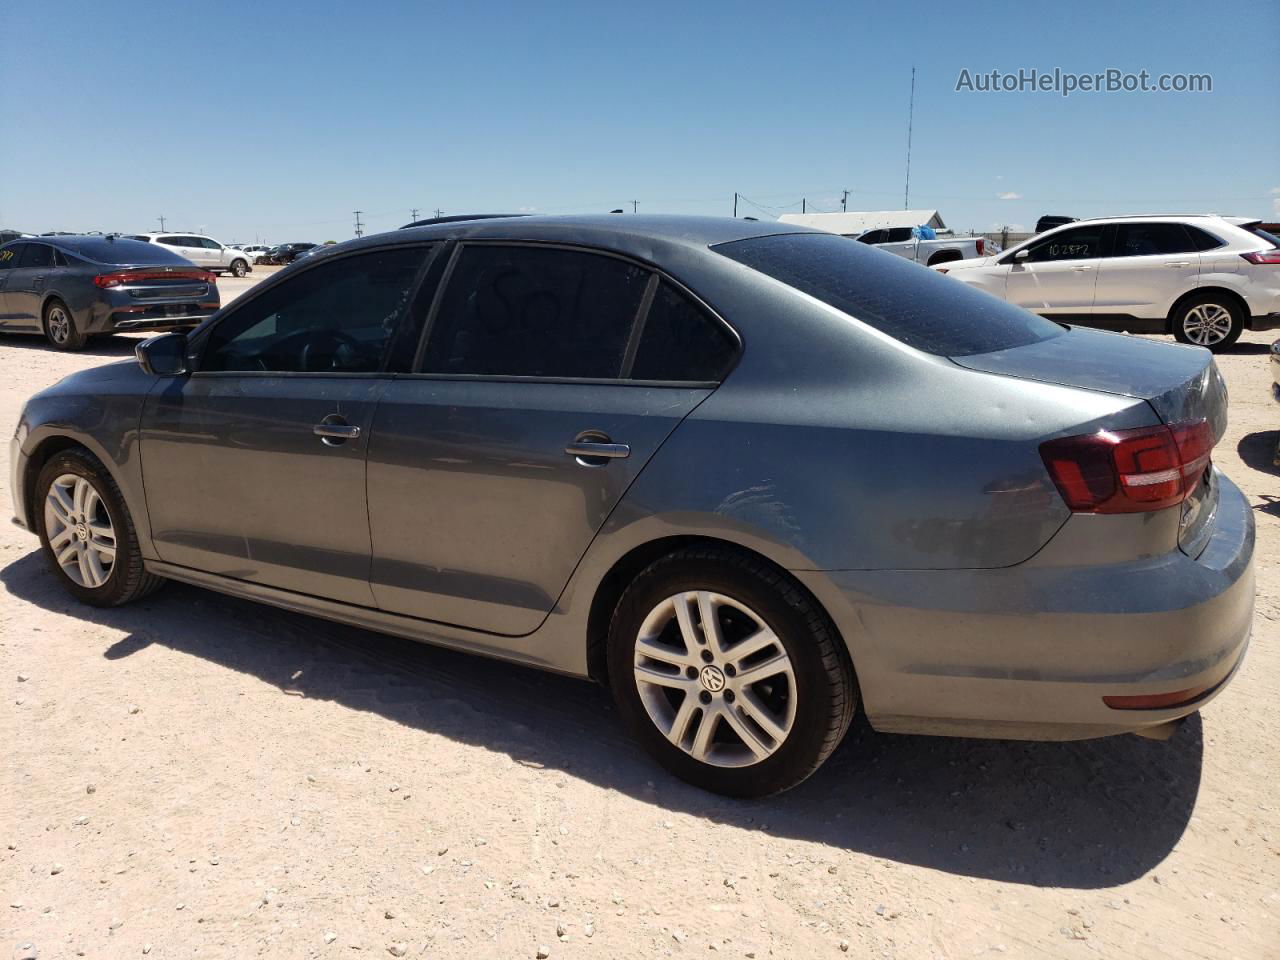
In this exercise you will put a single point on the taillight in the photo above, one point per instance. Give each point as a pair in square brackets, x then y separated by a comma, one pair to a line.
[1129, 471]
[128, 278]
[1264, 258]
[982, 246]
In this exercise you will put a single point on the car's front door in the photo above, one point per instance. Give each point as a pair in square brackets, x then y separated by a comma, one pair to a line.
[548, 379]
[254, 464]
[1151, 264]
[215, 255]
[1059, 274]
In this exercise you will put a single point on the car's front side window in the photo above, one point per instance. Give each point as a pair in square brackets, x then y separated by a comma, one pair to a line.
[338, 317]
[10, 255]
[1080, 243]
[524, 311]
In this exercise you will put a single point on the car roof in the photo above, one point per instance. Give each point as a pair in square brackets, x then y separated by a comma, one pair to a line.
[110, 248]
[1172, 217]
[634, 234]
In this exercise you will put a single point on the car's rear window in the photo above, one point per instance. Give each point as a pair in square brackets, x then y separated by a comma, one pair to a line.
[1270, 238]
[918, 306]
[122, 250]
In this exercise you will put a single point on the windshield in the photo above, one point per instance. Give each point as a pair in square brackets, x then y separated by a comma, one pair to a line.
[913, 304]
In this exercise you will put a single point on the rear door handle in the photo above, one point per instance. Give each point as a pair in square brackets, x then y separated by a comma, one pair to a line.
[1081, 269]
[1178, 263]
[595, 453]
[334, 430]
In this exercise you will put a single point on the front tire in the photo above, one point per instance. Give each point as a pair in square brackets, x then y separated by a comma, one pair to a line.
[60, 326]
[748, 706]
[239, 268]
[86, 532]
[1208, 320]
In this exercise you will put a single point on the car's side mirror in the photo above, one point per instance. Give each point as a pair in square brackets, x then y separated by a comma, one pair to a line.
[1021, 255]
[163, 356]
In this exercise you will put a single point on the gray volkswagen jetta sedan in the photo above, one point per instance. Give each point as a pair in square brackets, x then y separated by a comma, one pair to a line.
[745, 474]
[70, 288]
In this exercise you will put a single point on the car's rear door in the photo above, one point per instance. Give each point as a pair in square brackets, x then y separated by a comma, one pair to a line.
[24, 288]
[1058, 276]
[254, 465]
[1150, 265]
[548, 378]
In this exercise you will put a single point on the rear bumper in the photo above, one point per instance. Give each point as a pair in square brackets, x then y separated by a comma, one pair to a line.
[1028, 652]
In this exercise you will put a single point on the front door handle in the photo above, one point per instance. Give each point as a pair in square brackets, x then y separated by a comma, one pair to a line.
[1177, 263]
[593, 449]
[1081, 269]
[334, 430]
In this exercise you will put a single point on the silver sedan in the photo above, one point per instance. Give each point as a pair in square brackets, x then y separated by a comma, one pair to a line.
[749, 476]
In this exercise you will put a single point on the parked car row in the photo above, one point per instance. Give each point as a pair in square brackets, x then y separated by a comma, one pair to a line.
[284, 253]
[1203, 279]
[606, 446]
[70, 288]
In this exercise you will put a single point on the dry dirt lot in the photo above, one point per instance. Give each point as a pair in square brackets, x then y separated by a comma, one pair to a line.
[201, 776]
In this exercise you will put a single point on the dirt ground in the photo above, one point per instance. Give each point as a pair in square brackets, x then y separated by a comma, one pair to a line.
[202, 776]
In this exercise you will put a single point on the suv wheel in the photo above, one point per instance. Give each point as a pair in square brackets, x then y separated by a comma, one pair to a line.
[1208, 320]
[60, 326]
[86, 532]
[728, 672]
[239, 268]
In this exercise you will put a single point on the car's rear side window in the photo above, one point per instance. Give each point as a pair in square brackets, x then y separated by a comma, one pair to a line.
[913, 304]
[680, 341]
[519, 311]
[37, 255]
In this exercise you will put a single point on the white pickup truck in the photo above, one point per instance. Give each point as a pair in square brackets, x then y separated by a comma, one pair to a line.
[944, 249]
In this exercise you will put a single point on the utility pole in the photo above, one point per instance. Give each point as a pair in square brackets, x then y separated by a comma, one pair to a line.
[161, 219]
[413, 214]
[635, 206]
[911, 110]
[735, 205]
[804, 205]
[844, 202]
[439, 213]
[359, 225]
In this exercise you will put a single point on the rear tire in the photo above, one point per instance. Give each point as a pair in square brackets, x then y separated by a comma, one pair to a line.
[239, 268]
[1208, 320]
[59, 325]
[762, 735]
[86, 532]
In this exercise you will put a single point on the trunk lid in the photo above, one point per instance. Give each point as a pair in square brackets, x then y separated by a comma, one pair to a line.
[1182, 384]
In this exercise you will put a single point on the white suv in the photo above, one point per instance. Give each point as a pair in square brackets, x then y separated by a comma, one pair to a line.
[202, 251]
[1205, 279]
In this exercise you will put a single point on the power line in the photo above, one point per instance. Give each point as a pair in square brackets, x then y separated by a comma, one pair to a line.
[911, 110]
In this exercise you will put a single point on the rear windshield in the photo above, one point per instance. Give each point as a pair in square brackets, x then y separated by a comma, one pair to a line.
[122, 250]
[918, 306]
[1270, 238]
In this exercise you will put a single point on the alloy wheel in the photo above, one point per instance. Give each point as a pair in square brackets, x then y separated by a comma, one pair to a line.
[715, 679]
[59, 324]
[1207, 324]
[81, 534]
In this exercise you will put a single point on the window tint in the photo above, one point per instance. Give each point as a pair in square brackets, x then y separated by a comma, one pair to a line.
[174, 241]
[913, 304]
[899, 234]
[209, 244]
[530, 312]
[1263, 234]
[1081, 243]
[874, 236]
[680, 341]
[9, 255]
[60, 259]
[1151, 239]
[1203, 240]
[335, 317]
[36, 255]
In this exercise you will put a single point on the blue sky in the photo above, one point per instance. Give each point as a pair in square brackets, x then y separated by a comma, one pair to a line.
[276, 121]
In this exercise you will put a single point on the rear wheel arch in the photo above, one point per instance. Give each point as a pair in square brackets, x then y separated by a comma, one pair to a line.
[630, 565]
[1195, 292]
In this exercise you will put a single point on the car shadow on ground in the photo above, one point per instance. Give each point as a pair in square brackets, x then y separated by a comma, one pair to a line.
[1247, 347]
[1261, 451]
[114, 347]
[1084, 815]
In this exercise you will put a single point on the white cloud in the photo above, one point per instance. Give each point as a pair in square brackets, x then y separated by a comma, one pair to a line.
[1009, 196]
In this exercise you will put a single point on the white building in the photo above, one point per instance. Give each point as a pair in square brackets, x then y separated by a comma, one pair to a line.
[860, 222]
